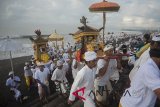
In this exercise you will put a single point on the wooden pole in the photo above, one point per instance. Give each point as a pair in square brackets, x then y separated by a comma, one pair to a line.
[104, 22]
[56, 44]
[11, 61]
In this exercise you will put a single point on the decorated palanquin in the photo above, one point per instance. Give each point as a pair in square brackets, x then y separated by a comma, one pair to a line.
[40, 48]
[87, 38]
[55, 39]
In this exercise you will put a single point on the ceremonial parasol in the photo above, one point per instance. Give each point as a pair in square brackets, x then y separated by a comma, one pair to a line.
[56, 37]
[10, 45]
[103, 7]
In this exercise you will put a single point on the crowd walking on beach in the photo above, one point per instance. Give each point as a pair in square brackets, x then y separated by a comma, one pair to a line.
[127, 75]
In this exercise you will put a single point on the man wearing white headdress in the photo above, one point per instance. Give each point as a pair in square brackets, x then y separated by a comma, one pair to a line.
[145, 55]
[59, 77]
[42, 77]
[145, 86]
[107, 69]
[113, 66]
[85, 79]
[13, 82]
[100, 82]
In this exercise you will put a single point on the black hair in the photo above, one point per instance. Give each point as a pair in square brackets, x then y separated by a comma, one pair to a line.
[124, 51]
[86, 62]
[124, 46]
[154, 53]
[147, 36]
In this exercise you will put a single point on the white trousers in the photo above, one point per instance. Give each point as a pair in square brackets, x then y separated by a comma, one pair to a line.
[62, 87]
[17, 93]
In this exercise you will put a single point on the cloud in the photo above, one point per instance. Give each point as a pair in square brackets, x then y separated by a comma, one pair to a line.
[140, 13]
[24, 16]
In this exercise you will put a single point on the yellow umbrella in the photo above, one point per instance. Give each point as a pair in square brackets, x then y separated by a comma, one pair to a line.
[56, 37]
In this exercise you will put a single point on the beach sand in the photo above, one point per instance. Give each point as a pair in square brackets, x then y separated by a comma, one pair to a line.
[6, 99]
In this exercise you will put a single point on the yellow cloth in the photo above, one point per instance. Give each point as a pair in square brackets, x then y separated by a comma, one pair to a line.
[144, 48]
[120, 105]
[29, 80]
[45, 57]
[90, 47]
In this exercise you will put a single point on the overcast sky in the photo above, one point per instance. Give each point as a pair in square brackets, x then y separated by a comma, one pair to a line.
[22, 17]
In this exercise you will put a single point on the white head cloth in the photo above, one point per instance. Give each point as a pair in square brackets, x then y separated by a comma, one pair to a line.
[26, 63]
[59, 63]
[90, 55]
[108, 47]
[156, 37]
[40, 64]
[11, 72]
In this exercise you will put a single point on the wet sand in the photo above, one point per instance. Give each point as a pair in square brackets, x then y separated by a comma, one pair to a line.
[6, 99]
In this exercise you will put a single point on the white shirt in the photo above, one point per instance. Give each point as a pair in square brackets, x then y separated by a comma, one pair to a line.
[74, 71]
[59, 75]
[65, 56]
[42, 76]
[48, 64]
[52, 67]
[112, 67]
[85, 78]
[10, 82]
[65, 67]
[27, 71]
[115, 75]
[143, 58]
[131, 60]
[141, 92]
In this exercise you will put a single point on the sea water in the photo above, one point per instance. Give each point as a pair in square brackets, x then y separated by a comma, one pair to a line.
[27, 49]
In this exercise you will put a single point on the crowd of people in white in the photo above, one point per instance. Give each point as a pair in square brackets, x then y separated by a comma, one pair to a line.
[97, 75]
